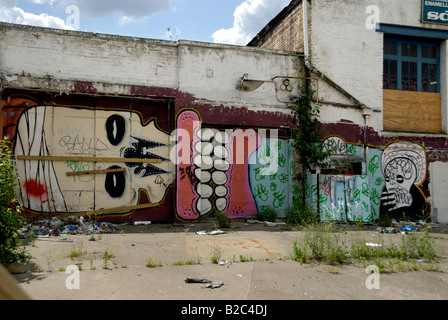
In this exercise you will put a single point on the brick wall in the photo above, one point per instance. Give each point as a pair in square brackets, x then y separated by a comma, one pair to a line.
[287, 34]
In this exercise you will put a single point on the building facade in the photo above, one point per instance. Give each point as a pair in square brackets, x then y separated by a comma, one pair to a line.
[383, 72]
[145, 130]
[148, 130]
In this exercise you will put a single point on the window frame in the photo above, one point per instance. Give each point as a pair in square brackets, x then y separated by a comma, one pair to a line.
[399, 58]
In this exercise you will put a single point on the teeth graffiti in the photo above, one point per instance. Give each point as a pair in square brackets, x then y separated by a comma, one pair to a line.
[213, 169]
[206, 182]
[189, 199]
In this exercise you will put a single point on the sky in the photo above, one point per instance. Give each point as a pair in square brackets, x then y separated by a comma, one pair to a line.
[220, 21]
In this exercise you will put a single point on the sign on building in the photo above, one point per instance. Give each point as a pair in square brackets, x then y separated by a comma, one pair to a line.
[435, 11]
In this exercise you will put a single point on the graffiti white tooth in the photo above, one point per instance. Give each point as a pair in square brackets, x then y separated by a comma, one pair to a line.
[203, 176]
[204, 190]
[206, 163]
[221, 204]
[222, 165]
[221, 191]
[204, 206]
[197, 161]
[221, 152]
[207, 134]
[206, 148]
[198, 147]
[222, 137]
[219, 178]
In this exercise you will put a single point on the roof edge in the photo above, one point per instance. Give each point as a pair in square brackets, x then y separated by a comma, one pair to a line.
[275, 21]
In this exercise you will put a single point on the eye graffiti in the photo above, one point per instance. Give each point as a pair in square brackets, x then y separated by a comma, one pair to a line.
[115, 129]
[141, 149]
[115, 183]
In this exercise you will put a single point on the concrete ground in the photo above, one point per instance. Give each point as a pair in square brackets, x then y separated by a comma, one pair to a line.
[267, 273]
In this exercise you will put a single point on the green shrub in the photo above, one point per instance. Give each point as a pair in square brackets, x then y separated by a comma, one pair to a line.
[301, 215]
[11, 219]
[299, 253]
[266, 214]
[320, 242]
[222, 220]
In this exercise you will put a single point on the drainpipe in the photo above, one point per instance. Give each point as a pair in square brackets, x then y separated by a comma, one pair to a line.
[366, 113]
[306, 48]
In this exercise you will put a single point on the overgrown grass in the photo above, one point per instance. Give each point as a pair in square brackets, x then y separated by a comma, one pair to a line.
[266, 213]
[188, 262]
[152, 263]
[246, 259]
[301, 215]
[76, 252]
[322, 243]
[222, 220]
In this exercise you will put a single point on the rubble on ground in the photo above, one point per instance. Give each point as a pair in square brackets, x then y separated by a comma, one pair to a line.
[57, 226]
[406, 226]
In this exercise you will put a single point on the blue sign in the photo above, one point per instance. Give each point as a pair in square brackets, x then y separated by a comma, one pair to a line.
[435, 11]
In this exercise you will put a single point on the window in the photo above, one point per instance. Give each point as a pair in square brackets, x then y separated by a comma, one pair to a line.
[411, 65]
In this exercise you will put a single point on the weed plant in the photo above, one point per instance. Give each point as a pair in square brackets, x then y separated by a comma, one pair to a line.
[266, 214]
[321, 242]
[11, 220]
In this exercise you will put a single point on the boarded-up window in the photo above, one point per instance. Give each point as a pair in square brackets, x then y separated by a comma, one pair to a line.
[409, 111]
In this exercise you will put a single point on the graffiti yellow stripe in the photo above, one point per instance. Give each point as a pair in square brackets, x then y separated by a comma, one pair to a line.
[87, 159]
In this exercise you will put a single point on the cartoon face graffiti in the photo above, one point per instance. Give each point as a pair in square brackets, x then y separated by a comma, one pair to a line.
[59, 186]
[404, 165]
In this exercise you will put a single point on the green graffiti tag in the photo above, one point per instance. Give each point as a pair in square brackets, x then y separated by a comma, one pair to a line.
[261, 192]
[283, 178]
[351, 149]
[279, 199]
[379, 181]
[281, 160]
[375, 196]
[365, 189]
[79, 166]
[374, 164]
[357, 195]
[258, 174]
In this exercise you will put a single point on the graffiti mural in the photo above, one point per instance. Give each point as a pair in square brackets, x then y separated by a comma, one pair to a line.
[273, 189]
[82, 159]
[106, 156]
[404, 170]
[389, 183]
[235, 172]
[46, 132]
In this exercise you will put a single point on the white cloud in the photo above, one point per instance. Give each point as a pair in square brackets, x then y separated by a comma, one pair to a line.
[9, 12]
[249, 18]
[128, 10]
[42, 1]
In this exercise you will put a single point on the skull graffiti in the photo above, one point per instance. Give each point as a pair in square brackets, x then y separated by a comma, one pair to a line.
[403, 165]
[72, 132]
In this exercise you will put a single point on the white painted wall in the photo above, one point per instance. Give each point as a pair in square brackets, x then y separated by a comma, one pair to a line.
[439, 192]
[344, 49]
[46, 58]
[349, 53]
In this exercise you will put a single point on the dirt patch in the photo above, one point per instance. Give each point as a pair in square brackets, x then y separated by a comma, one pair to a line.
[209, 224]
